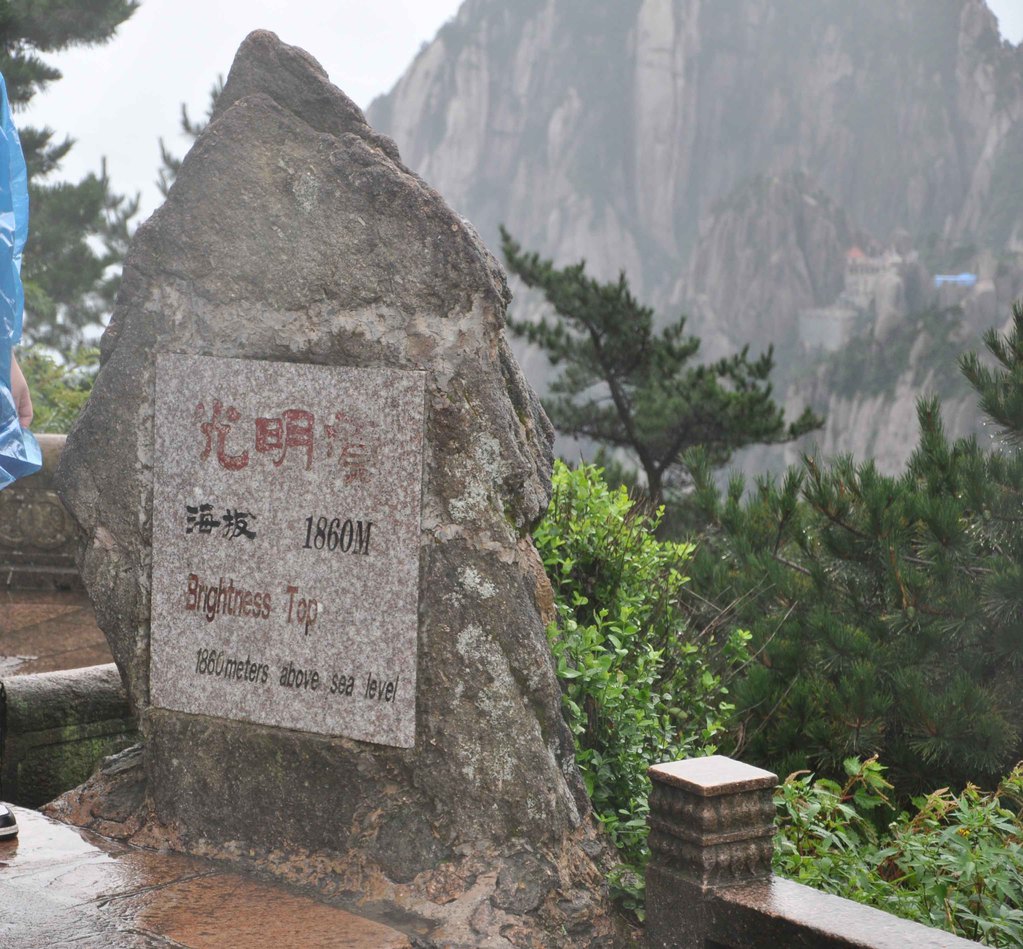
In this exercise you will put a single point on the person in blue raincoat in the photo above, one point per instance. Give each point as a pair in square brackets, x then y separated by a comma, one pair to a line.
[19, 451]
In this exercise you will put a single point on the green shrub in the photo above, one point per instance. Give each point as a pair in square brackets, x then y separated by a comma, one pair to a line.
[638, 685]
[955, 863]
[59, 388]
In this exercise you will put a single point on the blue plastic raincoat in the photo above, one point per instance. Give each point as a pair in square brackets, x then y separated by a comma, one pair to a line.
[19, 451]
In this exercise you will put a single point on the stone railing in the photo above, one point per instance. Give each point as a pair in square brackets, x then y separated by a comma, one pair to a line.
[55, 727]
[36, 533]
[709, 883]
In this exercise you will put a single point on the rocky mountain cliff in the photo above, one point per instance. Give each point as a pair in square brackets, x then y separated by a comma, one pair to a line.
[726, 154]
[773, 248]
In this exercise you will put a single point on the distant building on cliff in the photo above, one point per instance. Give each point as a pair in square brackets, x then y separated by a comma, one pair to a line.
[864, 275]
[872, 284]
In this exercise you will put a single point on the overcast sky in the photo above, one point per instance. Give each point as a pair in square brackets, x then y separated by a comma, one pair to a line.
[118, 100]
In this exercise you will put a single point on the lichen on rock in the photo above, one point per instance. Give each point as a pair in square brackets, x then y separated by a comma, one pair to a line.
[294, 233]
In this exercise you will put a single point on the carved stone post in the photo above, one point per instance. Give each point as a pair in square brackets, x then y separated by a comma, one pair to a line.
[711, 825]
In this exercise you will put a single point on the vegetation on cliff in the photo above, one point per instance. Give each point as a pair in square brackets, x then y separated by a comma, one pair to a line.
[886, 612]
[885, 622]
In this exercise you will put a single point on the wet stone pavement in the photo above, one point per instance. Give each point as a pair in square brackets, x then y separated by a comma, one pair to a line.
[60, 886]
[44, 631]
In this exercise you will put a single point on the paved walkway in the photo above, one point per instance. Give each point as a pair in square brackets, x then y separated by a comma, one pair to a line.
[60, 886]
[47, 631]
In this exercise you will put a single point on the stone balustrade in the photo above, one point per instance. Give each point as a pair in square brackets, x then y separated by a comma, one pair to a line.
[709, 883]
[36, 533]
[55, 727]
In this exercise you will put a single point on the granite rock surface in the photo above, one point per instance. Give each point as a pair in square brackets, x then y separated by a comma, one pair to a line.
[294, 233]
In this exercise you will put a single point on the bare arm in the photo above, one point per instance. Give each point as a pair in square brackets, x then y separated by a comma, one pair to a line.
[22, 398]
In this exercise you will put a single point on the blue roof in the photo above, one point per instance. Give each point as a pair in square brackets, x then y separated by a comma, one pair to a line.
[956, 280]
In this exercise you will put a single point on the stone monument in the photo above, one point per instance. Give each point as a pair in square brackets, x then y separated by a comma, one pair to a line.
[305, 484]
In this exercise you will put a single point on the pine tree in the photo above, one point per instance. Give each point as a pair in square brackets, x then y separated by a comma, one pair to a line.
[887, 612]
[78, 232]
[625, 386]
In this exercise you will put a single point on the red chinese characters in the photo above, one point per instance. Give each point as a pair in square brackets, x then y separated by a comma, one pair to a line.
[219, 427]
[353, 453]
[294, 430]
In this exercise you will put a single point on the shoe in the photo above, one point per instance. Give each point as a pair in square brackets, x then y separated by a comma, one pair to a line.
[8, 823]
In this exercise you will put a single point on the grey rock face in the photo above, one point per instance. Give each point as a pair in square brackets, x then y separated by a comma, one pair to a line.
[610, 130]
[774, 247]
[294, 233]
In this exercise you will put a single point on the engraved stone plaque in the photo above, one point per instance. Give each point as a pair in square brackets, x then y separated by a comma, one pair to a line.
[286, 520]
